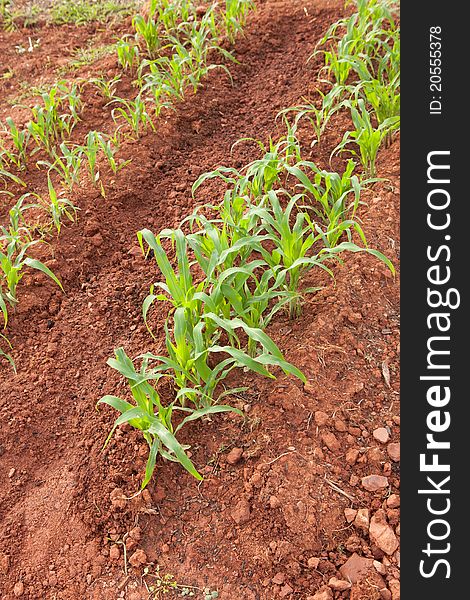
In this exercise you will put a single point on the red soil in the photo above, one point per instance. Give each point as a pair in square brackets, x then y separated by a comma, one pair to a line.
[273, 524]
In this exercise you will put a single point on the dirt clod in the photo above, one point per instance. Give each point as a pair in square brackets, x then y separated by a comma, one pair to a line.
[234, 456]
[373, 483]
[138, 559]
[241, 513]
[381, 435]
[381, 534]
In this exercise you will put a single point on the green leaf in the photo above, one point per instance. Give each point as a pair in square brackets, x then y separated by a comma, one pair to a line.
[210, 410]
[169, 440]
[39, 266]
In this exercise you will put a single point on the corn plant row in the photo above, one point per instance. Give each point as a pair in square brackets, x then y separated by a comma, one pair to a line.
[171, 52]
[224, 273]
[362, 64]
[185, 39]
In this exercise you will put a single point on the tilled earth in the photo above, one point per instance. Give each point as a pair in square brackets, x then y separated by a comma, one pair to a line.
[301, 499]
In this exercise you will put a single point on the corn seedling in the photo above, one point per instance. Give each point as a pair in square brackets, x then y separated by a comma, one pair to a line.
[319, 116]
[366, 136]
[164, 85]
[384, 99]
[106, 87]
[134, 113]
[254, 294]
[58, 207]
[234, 16]
[150, 416]
[15, 242]
[179, 286]
[127, 53]
[292, 245]
[189, 350]
[4, 175]
[67, 165]
[332, 197]
[19, 139]
[171, 15]
[147, 30]
[49, 124]
[261, 175]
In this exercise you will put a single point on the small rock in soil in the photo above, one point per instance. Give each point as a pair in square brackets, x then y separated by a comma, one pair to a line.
[331, 441]
[380, 567]
[18, 590]
[279, 578]
[4, 563]
[274, 502]
[393, 450]
[393, 501]
[321, 418]
[362, 519]
[97, 240]
[138, 559]
[117, 498]
[241, 513]
[324, 593]
[374, 455]
[352, 455]
[381, 534]
[394, 586]
[373, 483]
[356, 568]
[234, 456]
[350, 514]
[313, 562]
[286, 590]
[339, 585]
[114, 552]
[381, 435]
[135, 533]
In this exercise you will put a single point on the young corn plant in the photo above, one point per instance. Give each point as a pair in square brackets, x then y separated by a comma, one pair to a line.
[293, 245]
[171, 15]
[66, 165]
[147, 30]
[254, 293]
[49, 124]
[235, 15]
[19, 139]
[189, 351]
[15, 242]
[179, 287]
[7, 175]
[148, 414]
[165, 86]
[97, 143]
[261, 175]
[333, 198]
[127, 53]
[134, 113]
[366, 137]
[319, 116]
[384, 99]
[106, 87]
[57, 207]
